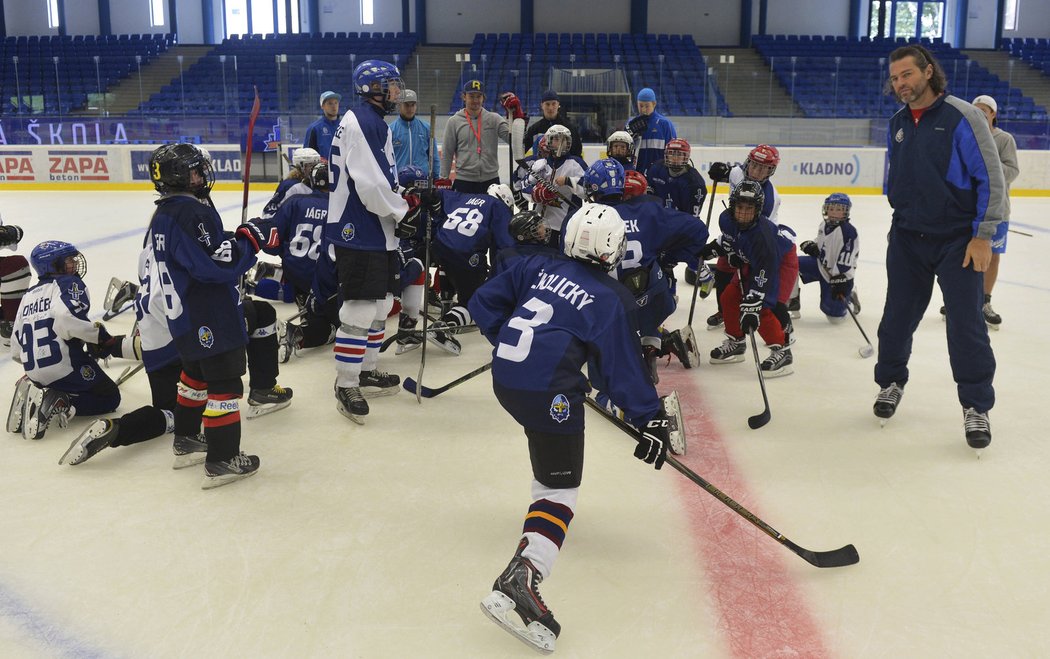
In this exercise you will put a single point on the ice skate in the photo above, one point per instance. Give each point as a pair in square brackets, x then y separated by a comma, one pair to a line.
[443, 339]
[119, 297]
[408, 338]
[991, 319]
[290, 340]
[676, 423]
[43, 407]
[978, 429]
[778, 363]
[265, 401]
[516, 591]
[732, 350]
[714, 321]
[96, 437]
[854, 302]
[377, 383]
[682, 344]
[795, 307]
[887, 401]
[18, 400]
[189, 450]
[224, 472]
[351, 403]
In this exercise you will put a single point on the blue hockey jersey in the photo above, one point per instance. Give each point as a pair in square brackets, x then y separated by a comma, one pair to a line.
[300, 222]
[686, 192]
[762, 246]
[469, 225]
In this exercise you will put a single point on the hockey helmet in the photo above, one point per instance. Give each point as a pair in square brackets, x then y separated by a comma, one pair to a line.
[596, 234]
[304, 159]
[502, 192]
[676, 155]
[379, 81]
[181, 168]
[747, 194]
[624, 152]
[634, 184]
[528, 228]
[411, 176]
[836, 208]
[319, 177]
[761, 162]
[559, 140]
[56, 257]
[603, 178]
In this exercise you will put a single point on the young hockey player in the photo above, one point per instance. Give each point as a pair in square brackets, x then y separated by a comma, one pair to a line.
[556, 202]
[620, 147]
[547, 316]
[763, 257]
[831, 259]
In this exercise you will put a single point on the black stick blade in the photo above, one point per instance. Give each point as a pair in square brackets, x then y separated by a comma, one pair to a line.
[840, 557]
[411, 385]
[759, 420]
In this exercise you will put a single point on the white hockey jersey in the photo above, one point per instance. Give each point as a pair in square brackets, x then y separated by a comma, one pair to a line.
[51, 328]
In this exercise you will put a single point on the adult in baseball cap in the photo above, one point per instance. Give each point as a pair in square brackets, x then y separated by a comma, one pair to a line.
[319, 134]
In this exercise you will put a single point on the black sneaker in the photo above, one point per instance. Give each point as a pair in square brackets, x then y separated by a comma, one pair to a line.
[377, 383]
[732, 350]
[978, 429]
[224, 472]
[265, 401]
[778, 362]
[189, 450]
[517, 591]
[97, 436]
[714, 321]
[351, 403]
[887, 401]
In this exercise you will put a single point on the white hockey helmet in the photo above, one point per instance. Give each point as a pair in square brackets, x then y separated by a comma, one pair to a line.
[559, 140]
[502, 192]
[305, 157]
[596, 234]
[620, 137]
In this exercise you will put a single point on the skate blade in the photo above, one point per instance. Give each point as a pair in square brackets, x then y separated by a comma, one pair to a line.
[450, 348]
[673, 410]
[497, 607]
[345, 412]
[994, 328]
[379, 392]
[77, 451]
[189, 460]
[256, 411]
[795, 314]
[402, 348]
[779, 373]
[212, 482]
[732, 360]
[30, 426]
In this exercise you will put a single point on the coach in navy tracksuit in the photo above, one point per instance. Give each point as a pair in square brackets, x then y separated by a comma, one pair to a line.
[946, 187]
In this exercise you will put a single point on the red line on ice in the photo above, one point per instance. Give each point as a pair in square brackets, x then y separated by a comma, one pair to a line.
[761, 611]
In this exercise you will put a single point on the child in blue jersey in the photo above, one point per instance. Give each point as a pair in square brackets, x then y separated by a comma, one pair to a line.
[831, 260]
[547, 317]
[765, 262]
[59, 348]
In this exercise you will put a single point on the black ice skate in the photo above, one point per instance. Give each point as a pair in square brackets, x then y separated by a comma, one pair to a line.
[978, 429]
[18, 401]
[224, 472]
[732, 350]
[408, 338]
[438, 335]
[887, 401]
[119, 297]
[795, 307]
[714, 321]
[189, 450]
[992, 319]
[265, 401]
[42, 408]
[290, 341]
[377, 383]
[517, 591]
[97, 436]
[351, 403]
[778, 362]
[682, 344]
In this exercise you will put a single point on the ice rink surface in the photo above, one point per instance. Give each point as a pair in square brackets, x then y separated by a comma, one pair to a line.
[380, 540]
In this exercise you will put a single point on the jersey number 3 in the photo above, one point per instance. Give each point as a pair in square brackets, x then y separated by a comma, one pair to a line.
[519, 352]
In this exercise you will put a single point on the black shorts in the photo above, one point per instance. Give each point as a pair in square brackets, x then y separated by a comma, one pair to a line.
[229, 365]
[367, 275]
[557, 460]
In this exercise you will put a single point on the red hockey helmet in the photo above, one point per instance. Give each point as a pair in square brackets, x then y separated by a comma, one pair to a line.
[676, 155]
[634, 184]
[762, 162]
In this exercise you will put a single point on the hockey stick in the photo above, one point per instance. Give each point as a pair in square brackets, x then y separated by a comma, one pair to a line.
[759, 420]
[835, 558]
[388, 341]
[248, 154]
[696, 287]
[865, 351]
[426, 253]
[1020, 232]
[419, 390]
[128, 372]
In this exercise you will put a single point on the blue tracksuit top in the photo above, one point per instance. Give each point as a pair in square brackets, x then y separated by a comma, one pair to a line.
[944, 174]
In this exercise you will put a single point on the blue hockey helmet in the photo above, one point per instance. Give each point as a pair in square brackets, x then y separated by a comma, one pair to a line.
[380, 81]
[55, 257]
[840, 199]
[604, 178]
[411, 176]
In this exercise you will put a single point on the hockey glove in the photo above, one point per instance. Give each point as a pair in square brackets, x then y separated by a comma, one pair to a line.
[262, 234]
[512, 104]
[543, 194]
[711, 250]
[106, 345]
[735, 260]
[750, 309]
[705, 279]
[809, 248]
[431, 200]
[839, 287]
[410, 223]
[656, 437]
[719, 172]
[10, 235]
[442, 183]
[637, 126]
